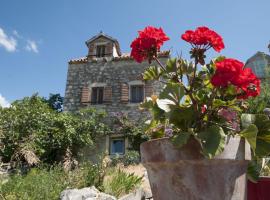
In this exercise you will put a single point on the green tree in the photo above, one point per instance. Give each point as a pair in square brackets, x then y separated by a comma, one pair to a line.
[32, 132]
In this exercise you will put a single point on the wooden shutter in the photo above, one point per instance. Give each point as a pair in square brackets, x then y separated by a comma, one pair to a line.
[85, 95]
[109, 49]
[124, 93]
[107, 94]
[149, 90]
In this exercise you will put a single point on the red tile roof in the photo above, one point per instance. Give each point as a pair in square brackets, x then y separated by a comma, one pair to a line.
[124, 56]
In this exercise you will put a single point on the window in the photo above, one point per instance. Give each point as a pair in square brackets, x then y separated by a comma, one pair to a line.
[117, 146]
[97, 95]
[100, 51]
[136, 93]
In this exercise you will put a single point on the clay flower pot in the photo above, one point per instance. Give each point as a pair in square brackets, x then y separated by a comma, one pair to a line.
[185, 174]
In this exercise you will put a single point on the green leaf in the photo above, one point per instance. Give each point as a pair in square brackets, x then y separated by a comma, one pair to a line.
[171, 65]
[165, 104]
[250, 134]
[152, 73]
[247, 119]
[218, 103]
[213, 141]
[180, 139]
[181, 117]
[173, 92]
[253, 172]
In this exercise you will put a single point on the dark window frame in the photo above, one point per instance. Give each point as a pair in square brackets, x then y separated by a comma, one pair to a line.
[117, 139]
[97, 95]
[136, 93]
[100, 51]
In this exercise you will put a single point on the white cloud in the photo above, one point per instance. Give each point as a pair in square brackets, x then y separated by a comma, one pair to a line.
[31, 46]
[8, 42]
[15, 33]
[3, 102]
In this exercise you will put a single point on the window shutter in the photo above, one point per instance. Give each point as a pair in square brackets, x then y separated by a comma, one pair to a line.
[107, 94]
[109, 49]
[124, 93]
[149, 90]
[85, 95]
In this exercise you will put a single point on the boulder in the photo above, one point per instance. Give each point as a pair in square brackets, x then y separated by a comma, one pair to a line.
[139, 194]
[89, 193]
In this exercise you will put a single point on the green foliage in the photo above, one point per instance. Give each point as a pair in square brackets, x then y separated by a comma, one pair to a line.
[213, 141]
[31, 131]
[250, 133]
[134, 131]
[121, 183]
[152, 73]
[180, 139]
[37, 184]
[48, 183]
[192, 106]
[131, 158]
[257, 104]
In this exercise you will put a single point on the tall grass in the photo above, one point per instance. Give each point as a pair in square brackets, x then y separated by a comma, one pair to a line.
[120, 183]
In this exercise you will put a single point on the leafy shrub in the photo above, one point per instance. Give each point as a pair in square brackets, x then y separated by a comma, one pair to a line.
[48, 183]
[116, 159]
[37, 184]
[131, 158]
[121, 183]
[259, 103]
[134, 131]
[32, 132]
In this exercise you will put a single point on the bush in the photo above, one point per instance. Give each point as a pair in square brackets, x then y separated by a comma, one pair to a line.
[31, 132]
[121, 183]
[37, 184]
[48, 183]
[115, 160]
[131, 158]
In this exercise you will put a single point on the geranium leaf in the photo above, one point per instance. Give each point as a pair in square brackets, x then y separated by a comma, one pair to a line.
[253, 172]
[171, 65]
[213, 141]
[247, 119]
[250, 134]
[180, 139]
[165, 104]
[152, 73]
[173, 92]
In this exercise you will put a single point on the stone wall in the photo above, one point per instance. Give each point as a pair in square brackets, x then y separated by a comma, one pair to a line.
[113, 73]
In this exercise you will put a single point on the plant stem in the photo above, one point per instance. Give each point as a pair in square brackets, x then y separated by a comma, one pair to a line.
[160, 64]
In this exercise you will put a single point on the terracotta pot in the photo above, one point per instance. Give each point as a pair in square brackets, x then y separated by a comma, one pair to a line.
[260, 190]
[185, 174]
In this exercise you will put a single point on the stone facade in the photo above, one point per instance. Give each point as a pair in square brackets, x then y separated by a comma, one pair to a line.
[116, 73]
[260, 65]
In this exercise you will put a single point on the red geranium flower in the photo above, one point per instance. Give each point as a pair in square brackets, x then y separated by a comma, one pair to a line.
[204, 38]
[148, 43]
[227, 71]
[231, 71]
[248, 83]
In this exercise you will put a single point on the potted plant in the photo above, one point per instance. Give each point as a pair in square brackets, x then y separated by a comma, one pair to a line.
[202, 137]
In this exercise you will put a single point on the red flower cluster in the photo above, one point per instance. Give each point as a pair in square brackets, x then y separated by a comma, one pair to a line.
[148, 43]
[231, 71]
[204, 36]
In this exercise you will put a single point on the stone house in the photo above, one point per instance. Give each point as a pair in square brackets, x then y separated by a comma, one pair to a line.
[111, 80]
[260, 64]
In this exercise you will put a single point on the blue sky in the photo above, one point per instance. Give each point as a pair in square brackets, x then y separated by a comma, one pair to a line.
[37, 38]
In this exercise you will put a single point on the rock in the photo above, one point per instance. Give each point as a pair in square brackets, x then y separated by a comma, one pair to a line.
[90, 193]
[267, 111]
[139, 194]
